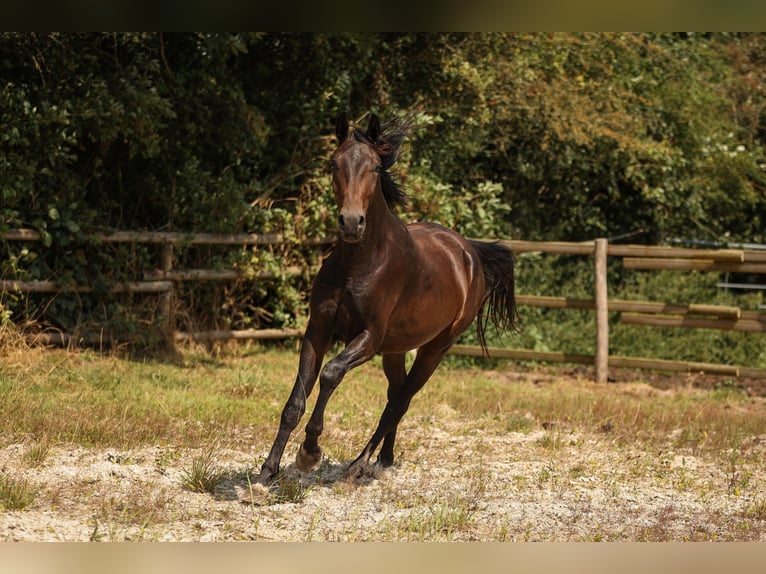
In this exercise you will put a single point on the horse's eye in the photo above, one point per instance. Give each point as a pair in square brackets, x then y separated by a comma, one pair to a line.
[378, 169]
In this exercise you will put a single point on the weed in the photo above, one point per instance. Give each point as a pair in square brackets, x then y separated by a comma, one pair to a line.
[164, 458]
[518, 424]
[546, 476]
[577, 471]
[203, 475]
[661, 529]
[290, 489]
[36, 453]
[141, 506]
[438, 521]
[756, 510]
[315, 520]
[739, 478]
[16, 494]
[726, 390]
[96, 535]
[683, 481]
[550, 441]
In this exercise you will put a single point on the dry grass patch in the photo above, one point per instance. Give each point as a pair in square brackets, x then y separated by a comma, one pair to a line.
[16, 493]
[157, 450]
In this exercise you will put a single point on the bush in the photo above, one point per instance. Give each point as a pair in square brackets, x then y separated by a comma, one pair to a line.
[533, 136]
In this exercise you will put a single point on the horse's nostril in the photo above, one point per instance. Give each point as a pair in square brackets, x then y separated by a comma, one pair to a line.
[341, 221]
[361, 220]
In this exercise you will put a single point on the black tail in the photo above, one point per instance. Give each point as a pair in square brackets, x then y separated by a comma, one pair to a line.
[499, 304]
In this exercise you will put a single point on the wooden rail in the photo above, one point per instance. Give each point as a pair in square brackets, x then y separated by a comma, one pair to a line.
[216, 274]
[614, 361]
[55, 287]
[161, 281]
[723, 311]
[174, 237]
[753, 326]
[588, 247]
[678, 264]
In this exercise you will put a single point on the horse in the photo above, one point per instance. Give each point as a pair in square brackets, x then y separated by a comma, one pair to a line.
[387, 287]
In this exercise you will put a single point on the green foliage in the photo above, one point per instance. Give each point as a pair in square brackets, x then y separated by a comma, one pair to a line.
[533, 136]
[703, 345]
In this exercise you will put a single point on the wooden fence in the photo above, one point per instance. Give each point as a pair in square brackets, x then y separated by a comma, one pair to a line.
[162, 282]
[644, 312]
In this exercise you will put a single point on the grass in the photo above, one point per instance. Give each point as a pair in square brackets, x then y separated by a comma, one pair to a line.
[290, 489]
[141, 506]
[652, 436]
[97, 400]
[37, 451]
[103, 400]
[203, 475]
[15, 494]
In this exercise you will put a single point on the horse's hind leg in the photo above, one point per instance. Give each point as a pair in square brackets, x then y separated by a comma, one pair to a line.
[426, 362]
[393, 367]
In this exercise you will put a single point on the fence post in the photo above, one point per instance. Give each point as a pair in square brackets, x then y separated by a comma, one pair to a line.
[602, 315]
[166, 301]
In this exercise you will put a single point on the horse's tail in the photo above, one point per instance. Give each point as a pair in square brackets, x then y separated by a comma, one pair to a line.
[499, 303]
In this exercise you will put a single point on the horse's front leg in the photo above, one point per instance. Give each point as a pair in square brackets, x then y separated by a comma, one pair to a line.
[360, 350]
[313, 349]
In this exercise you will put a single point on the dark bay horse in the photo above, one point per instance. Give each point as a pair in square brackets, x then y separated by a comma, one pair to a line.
[387, 288]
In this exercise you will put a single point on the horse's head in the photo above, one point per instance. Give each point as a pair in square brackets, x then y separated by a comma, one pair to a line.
[356, 169]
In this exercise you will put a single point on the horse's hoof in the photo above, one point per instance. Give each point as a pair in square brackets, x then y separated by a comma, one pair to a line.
[356, 471]
[308, 462]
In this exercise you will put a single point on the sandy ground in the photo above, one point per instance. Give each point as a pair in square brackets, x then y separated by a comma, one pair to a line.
[453, 481]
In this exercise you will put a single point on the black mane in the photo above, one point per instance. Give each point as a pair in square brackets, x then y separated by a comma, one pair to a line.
[387, 145]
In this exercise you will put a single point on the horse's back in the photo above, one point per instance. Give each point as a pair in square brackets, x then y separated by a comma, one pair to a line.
[442, 246]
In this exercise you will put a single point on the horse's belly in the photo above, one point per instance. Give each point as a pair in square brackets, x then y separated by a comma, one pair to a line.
[414, 329]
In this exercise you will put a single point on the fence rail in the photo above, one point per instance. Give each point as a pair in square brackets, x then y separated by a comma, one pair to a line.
[162, 282]
[55, 287]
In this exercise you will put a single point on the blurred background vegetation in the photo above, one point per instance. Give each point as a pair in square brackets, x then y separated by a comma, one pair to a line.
[639, 138]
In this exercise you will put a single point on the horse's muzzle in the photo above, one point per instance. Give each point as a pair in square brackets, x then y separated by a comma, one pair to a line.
[351, 227]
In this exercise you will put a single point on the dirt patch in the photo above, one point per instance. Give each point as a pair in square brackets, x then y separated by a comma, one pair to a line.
[655, 379]
[453, 481]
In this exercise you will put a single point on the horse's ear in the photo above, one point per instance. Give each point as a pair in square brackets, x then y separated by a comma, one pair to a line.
[373, 128]
[341, 127]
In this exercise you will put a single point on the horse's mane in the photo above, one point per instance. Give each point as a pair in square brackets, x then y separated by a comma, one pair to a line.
[387, 144]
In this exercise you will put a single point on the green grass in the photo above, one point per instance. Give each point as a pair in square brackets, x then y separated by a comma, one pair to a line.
[203, 475]
[94, 400]
[102, 400]
[193, 409]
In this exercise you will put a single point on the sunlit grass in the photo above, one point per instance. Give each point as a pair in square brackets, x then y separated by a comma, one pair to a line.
[203, 475]
[15, 493]
[37, 451]
[86, 398]
[454, 443]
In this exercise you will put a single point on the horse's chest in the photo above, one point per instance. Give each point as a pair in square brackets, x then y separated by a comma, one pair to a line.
[354, 309]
